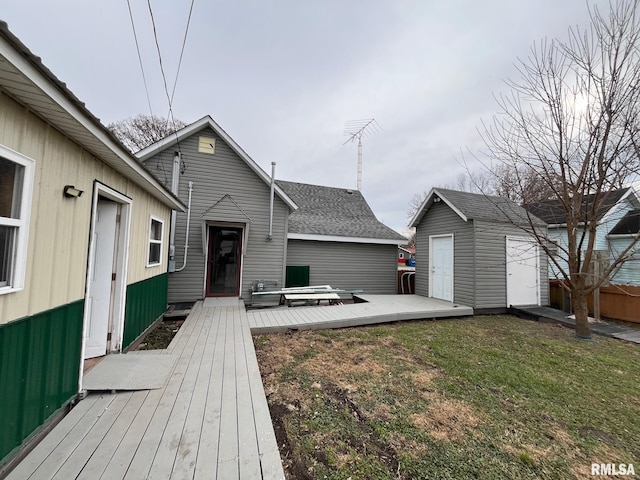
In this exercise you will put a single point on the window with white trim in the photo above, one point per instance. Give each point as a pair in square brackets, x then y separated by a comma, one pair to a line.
[16, 186]
[156, 227]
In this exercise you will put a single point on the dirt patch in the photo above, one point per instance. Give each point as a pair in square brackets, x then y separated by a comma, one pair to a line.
[592, 432]
[446, 420]
[160, 337]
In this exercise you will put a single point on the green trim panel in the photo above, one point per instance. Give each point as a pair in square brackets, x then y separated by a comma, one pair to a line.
[297, 276]
[39, 368]
[146, 301]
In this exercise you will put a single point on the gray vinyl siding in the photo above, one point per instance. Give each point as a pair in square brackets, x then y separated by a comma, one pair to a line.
[491, 274]
[213, 177]
[368, 267]
[441, 220]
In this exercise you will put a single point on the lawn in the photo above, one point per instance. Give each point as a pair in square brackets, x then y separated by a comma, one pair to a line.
[485, 397]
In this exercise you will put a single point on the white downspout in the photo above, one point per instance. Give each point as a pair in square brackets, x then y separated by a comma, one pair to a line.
[273, 187]
[175, 182]
[186, 241]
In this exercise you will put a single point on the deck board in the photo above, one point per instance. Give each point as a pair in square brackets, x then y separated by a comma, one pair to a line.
[207, 455]
[211, 420]
[190, 440]
[74, 463]
[50, 443]
[101, 458]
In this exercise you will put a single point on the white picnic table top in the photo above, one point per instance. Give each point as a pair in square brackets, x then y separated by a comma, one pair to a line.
[312, 296]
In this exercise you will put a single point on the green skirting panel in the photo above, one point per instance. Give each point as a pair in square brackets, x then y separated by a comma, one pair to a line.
[297, 276]
[39, 368]
[146, 301]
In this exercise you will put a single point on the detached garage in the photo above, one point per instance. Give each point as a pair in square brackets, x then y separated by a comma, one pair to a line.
[474, 249]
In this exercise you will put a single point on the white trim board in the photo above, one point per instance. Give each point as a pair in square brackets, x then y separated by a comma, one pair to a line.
[336, 238]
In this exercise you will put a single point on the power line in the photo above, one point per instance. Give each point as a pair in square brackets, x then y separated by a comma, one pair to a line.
[184, 43]
[170, 115]
[155, 37]
[144, 78]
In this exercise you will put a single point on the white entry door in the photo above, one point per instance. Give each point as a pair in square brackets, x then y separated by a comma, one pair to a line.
[441, 262]
[101, 279]
[523, 285]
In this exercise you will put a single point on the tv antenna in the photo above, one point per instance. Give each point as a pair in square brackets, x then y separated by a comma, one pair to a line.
[356, 129]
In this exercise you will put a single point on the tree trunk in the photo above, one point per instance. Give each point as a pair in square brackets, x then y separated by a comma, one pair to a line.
[581, 311]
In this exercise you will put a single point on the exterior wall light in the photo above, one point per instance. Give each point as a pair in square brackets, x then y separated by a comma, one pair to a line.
[72, 192]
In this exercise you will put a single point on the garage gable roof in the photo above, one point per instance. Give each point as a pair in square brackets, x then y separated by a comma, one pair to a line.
[476, 206]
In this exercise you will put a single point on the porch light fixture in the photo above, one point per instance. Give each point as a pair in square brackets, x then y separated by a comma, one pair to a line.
[72, 192]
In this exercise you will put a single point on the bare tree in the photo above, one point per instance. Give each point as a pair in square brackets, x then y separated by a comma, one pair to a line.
[415, 203]
[522, 184]
[469, 181]
[140, 131]
[571, 121]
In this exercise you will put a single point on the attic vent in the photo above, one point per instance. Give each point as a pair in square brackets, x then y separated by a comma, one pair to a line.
[350, 192]
[207, 145]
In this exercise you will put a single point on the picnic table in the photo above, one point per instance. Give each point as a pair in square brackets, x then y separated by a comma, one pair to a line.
[316, 293]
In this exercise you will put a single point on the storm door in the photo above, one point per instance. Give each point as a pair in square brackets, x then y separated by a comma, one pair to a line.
[224, 261]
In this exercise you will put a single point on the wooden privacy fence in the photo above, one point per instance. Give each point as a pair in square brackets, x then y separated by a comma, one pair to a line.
[619, 302]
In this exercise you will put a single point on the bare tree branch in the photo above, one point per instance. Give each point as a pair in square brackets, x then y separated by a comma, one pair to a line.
[141, 131]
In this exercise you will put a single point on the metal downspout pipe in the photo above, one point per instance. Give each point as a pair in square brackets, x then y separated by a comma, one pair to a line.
[186, 241]
[175, 182]
[273, 187]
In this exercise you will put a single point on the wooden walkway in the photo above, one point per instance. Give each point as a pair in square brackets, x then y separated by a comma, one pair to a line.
[211, 420]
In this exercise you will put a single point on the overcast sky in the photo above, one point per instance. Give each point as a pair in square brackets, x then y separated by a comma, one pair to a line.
[284, 77]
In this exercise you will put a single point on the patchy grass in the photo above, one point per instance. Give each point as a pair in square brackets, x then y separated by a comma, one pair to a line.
[488, 397]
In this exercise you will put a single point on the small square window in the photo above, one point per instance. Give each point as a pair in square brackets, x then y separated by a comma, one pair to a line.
[155, 242]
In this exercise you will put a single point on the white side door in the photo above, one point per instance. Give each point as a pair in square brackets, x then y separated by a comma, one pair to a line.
[441, 267]
[101, 279]
[523, 279]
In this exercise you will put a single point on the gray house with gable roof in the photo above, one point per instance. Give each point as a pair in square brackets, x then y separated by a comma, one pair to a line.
[239, 233]
[474, 250]
[335, 234]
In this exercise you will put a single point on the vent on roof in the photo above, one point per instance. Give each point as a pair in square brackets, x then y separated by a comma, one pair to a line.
[350, 192]
[207, 145]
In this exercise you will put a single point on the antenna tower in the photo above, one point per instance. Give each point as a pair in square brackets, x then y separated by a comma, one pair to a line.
[356, 129]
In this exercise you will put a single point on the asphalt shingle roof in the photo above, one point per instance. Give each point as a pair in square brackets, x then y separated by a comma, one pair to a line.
[552, 211]
[477, 206]
[334, 212]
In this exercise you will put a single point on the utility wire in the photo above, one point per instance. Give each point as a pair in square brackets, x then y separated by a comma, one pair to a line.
[184, 43]
[135, 36]
[170, 115]
[155, 36]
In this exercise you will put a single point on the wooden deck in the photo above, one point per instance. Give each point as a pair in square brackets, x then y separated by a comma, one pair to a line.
[211, 420]
[375, 309]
